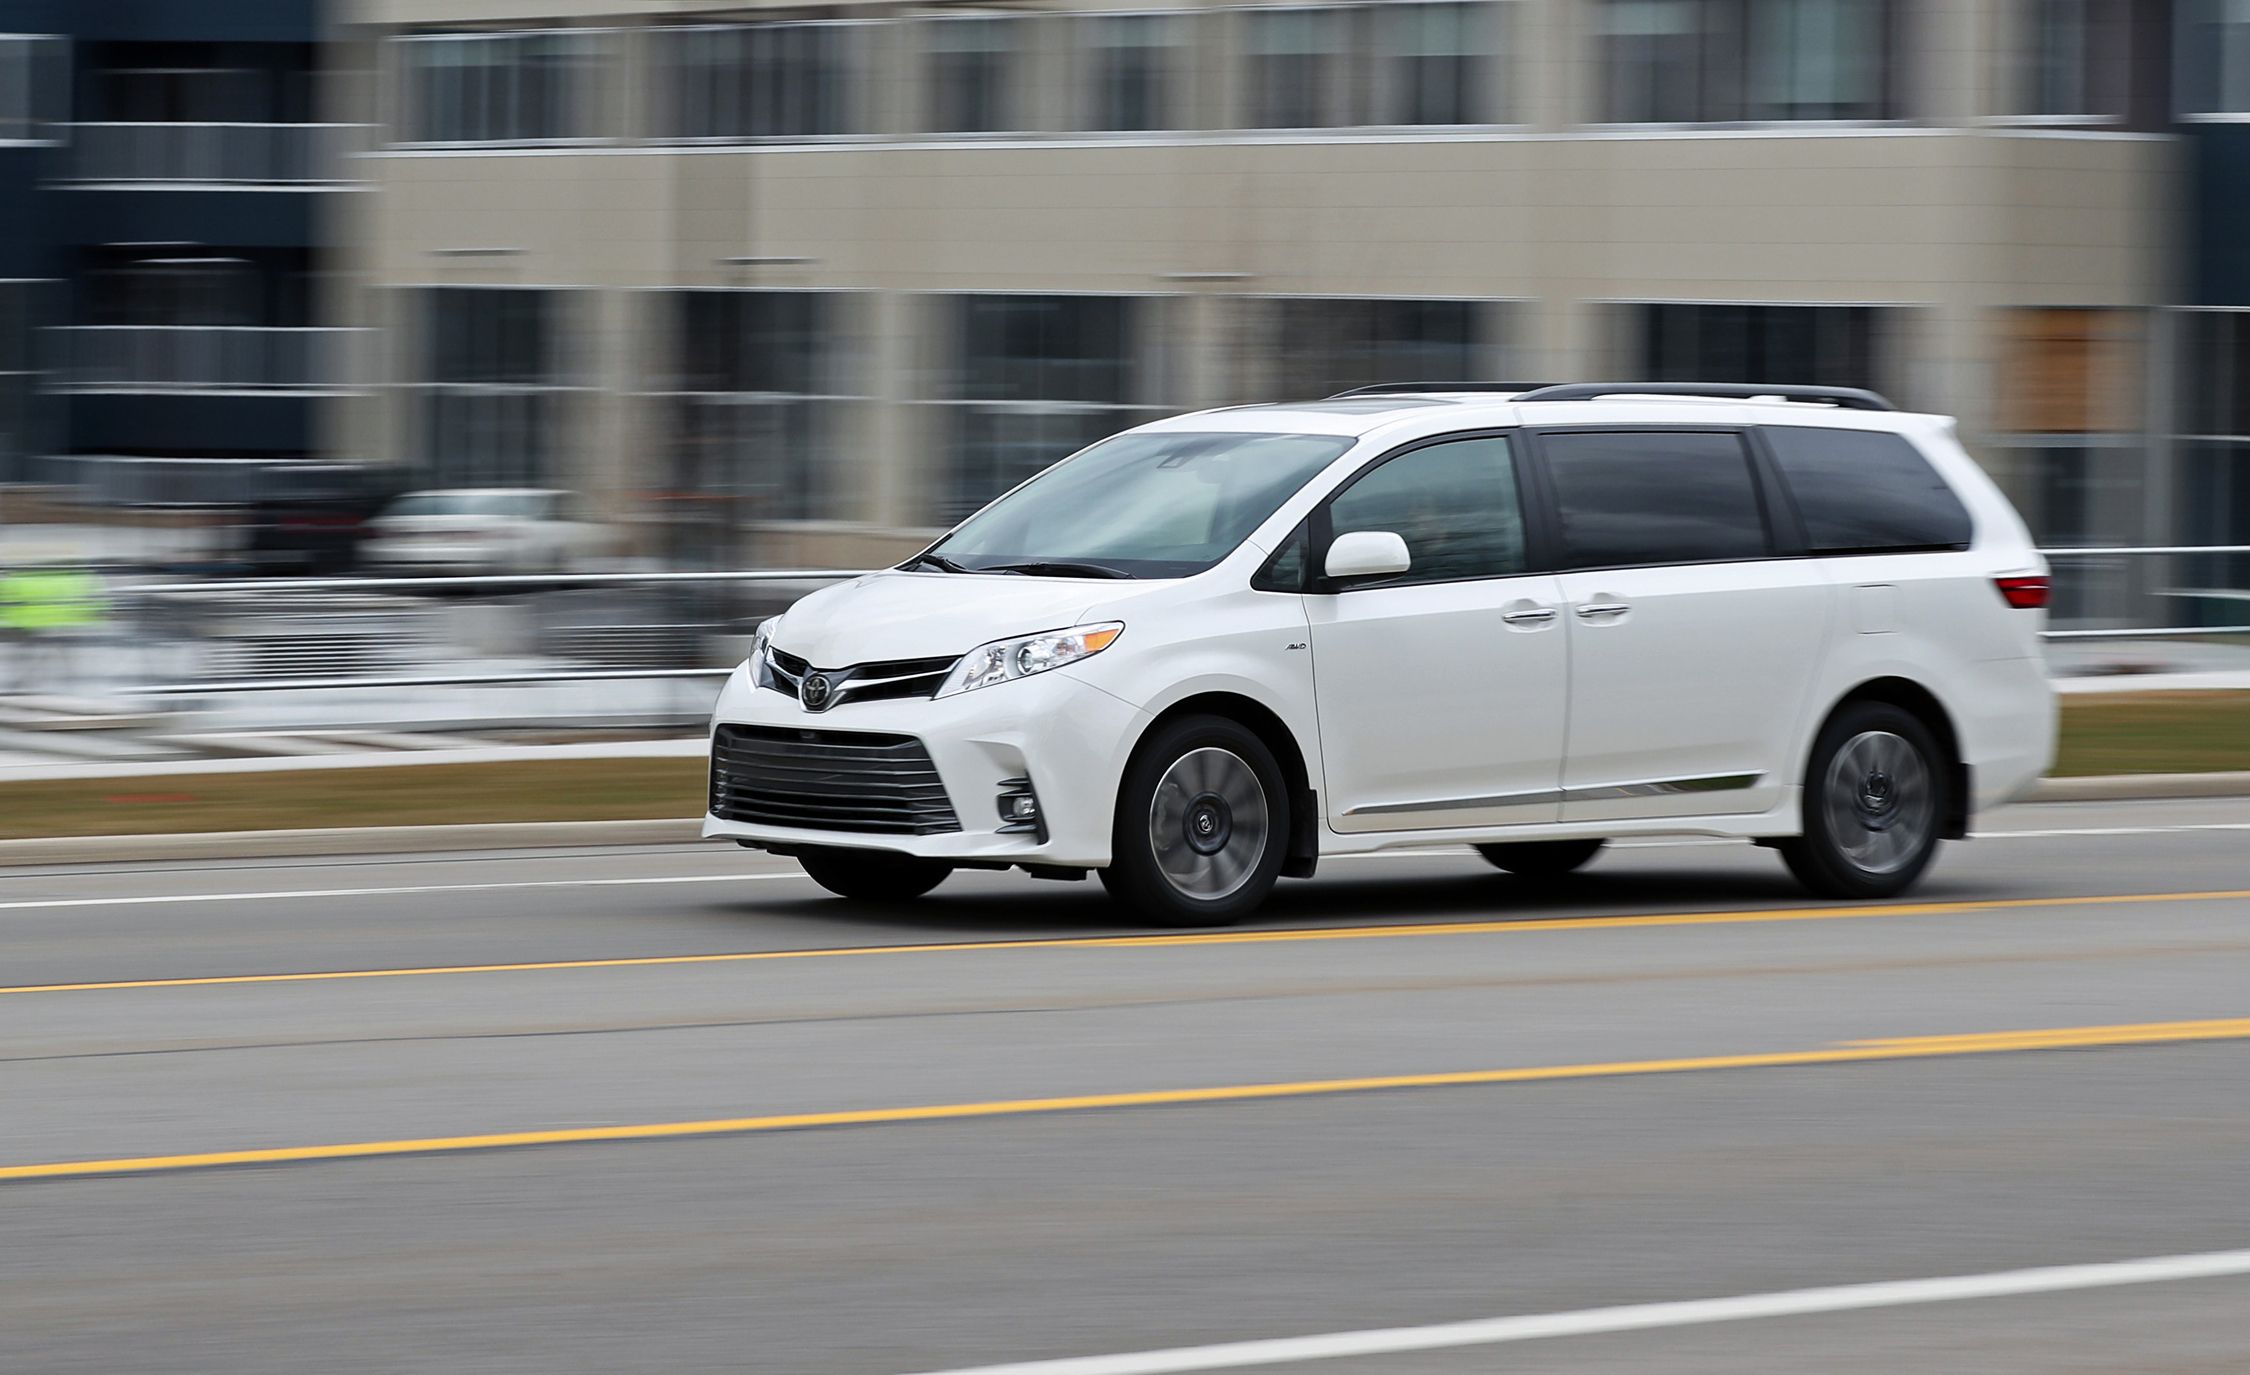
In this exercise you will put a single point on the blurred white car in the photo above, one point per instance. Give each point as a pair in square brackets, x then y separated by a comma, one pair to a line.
[1208, 652]
[483, 530]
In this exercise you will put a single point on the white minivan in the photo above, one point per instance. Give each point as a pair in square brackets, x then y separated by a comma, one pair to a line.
[1201, 654]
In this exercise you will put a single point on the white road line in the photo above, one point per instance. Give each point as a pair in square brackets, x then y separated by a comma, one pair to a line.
[304, 894]
[1638, 1317]
[152, 899]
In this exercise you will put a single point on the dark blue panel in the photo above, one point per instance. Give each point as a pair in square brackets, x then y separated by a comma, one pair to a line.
[27, 230]
[2221, 229]
[204, 425]
[249, 219]
[257, 21]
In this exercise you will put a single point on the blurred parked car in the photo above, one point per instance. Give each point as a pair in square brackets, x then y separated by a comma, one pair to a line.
[484, 530]
[309, 518]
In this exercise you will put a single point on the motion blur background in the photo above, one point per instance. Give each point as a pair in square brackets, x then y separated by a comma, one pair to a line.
[668, 286]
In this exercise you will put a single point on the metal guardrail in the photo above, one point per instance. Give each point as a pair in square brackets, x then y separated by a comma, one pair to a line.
[282, 588]
[122, 153]
[2068, 554]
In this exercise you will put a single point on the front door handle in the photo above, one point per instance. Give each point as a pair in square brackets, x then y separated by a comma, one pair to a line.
[1598, 609]
[1539, 617]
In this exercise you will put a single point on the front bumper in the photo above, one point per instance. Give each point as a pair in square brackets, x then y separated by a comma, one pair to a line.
[1071, 740]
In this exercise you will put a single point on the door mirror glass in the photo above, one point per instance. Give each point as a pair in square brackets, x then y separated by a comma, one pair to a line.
[1367, 554]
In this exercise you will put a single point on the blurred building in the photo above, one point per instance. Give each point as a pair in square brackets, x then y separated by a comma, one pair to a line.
[790, 284]
[166, 182]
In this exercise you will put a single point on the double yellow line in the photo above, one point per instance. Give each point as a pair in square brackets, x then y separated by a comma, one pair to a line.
[1850, 1052]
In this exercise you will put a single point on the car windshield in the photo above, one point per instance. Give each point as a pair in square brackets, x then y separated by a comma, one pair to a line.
[525, 504]
[1144, 505]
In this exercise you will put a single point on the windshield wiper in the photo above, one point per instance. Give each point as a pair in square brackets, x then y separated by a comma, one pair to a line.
[938, 561]
[1058, 569]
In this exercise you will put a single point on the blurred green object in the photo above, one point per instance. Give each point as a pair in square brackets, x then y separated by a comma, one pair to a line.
[39, 599]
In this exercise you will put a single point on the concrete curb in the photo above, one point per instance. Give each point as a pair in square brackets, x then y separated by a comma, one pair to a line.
[2141, 787]
[538, 835]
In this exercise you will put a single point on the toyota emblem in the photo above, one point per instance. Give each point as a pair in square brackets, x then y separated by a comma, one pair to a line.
[816, 692]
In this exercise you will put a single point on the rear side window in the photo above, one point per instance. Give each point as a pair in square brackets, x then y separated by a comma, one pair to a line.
[1864, 491]
[1646, 497]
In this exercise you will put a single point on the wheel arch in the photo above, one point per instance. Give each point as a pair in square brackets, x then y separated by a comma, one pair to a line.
[1274, 733]
[1918, 701]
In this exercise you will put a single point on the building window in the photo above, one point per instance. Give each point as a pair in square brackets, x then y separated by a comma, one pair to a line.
[2069, 425]
[1317, 346]
[2077, 55]
[1132, 66]
[2213, 494]
[18, 374]
[1836, 346]
[1718, 61]
[972, 73]
[1036, 378]
[1299, 64]
[494, 385]
[800, 80]
[2215, 53]
[1439, 64]
[34, 77]
[761, 403]
[499, 87]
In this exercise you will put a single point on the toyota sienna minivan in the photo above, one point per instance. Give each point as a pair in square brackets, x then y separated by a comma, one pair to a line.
[1202, 654]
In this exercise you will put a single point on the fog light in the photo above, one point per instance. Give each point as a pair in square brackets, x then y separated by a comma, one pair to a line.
[1019, 807]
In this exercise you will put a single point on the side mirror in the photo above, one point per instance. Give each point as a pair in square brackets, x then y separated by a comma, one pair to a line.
[1366, 554]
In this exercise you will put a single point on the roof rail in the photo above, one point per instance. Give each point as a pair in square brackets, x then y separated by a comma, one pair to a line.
[1409, 388]
[1849, 398]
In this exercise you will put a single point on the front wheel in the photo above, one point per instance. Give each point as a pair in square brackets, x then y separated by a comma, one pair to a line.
[871, 875]
[1202, 825]
[1541, 859]
[1875, 798]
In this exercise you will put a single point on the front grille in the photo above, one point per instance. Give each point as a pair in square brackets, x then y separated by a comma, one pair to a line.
[896, 678]
[825, 780]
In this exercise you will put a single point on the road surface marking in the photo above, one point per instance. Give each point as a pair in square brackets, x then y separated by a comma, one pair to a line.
[1290, 936]
[1900, 1048]
[408, 890]
[793, 876]
[1640, 1317]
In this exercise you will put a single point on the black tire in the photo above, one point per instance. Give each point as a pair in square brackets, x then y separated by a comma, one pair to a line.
[871, 875]
[1541, 859]
[1214, 783]
[1876, 796]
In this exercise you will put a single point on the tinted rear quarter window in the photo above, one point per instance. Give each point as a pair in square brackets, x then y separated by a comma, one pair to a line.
[1650, 497]
[1866, 491]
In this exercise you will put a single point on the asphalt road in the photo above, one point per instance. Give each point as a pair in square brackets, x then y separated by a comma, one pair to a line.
[673, 1110]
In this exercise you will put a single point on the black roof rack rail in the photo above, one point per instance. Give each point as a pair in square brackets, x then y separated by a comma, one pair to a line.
[1409, 388]
[1850, 398]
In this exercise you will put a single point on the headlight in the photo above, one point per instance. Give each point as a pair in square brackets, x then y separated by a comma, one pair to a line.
[1003, 660]
[756, 663]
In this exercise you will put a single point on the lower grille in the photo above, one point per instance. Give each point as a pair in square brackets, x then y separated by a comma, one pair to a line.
[824, 780]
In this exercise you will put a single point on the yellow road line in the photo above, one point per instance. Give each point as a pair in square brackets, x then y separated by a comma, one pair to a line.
[1333, 933]
[1903, 1048]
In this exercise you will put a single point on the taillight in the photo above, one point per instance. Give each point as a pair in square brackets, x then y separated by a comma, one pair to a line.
[2024, 594]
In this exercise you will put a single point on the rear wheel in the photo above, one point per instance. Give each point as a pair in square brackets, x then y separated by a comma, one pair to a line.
[1202, 825]
[1875, 797]
[1541, 859]
[871, 875]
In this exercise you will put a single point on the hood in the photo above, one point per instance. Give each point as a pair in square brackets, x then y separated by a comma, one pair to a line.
[887, 616]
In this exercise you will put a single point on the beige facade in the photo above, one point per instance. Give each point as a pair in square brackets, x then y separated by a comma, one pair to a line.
[1944, 219]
